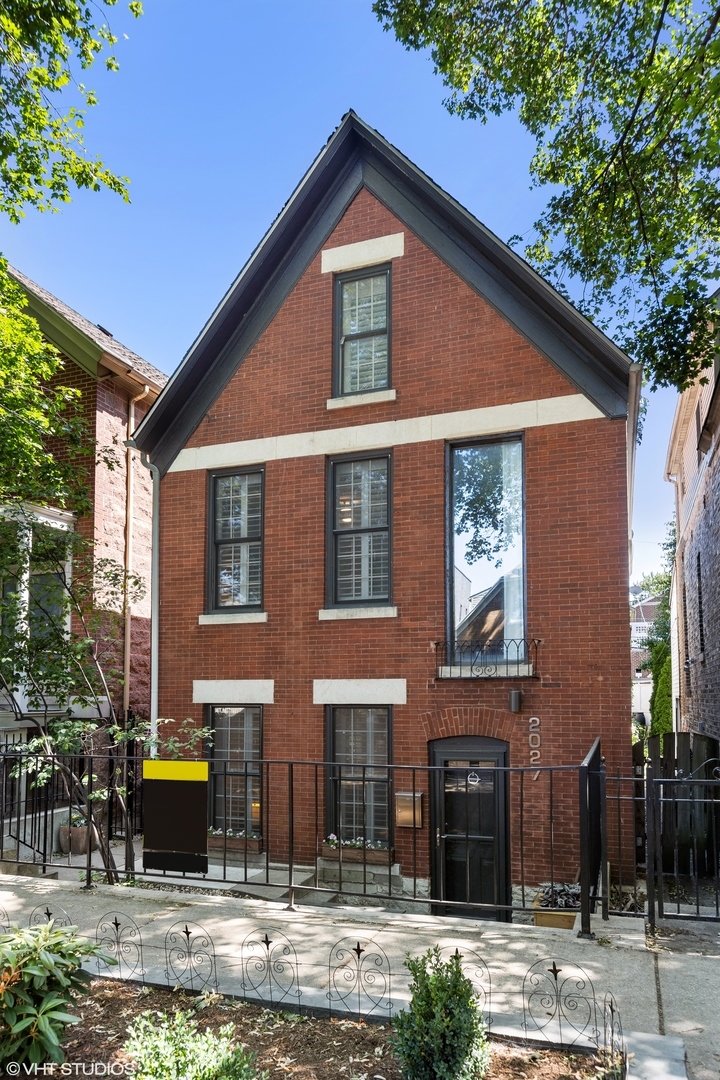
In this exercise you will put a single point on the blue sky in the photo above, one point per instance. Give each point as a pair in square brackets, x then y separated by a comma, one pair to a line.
[217, 111]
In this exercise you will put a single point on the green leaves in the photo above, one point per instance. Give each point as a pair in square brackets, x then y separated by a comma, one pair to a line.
[36, 411]
[42, 966]
[172, 1048]
[441, 1036]
[41, 150]
[622, 100]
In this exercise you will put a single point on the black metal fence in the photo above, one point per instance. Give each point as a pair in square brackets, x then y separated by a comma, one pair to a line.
[470, 838]
[663, 827]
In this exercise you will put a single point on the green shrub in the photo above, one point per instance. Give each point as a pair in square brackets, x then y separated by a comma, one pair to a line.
[662, 718]
[166, 1047]
[39, 975]
[441, 1036]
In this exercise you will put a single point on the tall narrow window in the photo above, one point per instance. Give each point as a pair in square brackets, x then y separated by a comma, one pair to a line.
[237, 533]
[235, 770]
[362, 303]
[358, 785]
[486, 541]
[360, 530]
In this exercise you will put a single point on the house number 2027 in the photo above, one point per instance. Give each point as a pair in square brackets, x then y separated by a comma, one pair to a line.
[534, 740]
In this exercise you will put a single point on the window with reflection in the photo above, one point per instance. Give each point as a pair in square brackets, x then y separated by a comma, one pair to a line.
[488, 592]
[235, 775]
[358, 785]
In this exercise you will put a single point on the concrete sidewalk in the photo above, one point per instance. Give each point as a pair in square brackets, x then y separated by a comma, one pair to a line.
[309, 958]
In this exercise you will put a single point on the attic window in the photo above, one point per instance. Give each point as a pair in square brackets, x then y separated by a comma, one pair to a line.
[362, 353]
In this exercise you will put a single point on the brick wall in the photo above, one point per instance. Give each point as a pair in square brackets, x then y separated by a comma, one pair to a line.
[105, 407]
[700, 686]
[450, 351]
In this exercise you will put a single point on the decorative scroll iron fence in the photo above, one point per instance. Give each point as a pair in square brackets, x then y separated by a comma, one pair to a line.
[509, 658]
[560, 1005]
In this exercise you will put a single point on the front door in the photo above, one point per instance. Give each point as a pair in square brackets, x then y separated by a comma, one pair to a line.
[469, 826]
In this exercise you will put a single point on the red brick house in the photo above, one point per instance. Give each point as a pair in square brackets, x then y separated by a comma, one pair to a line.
[395, 487]
[117, 388]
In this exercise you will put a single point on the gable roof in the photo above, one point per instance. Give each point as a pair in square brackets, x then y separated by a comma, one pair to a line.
[57, 321]
[356, 156]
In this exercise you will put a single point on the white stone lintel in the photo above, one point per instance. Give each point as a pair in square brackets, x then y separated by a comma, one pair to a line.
[359, 691]
[364, 253]
[233, 691]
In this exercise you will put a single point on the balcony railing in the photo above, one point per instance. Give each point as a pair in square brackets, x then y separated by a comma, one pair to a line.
[513, 658]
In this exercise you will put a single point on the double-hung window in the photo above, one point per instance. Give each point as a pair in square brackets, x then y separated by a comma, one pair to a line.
[236, 543]
[362, 331]
[237, 742]
[358, 790]
[359, 530]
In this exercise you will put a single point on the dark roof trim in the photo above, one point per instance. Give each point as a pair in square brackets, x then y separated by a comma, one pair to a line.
[355, 156]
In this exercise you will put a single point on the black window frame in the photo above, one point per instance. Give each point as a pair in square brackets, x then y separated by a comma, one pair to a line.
[461, 444]
[332, 532]
[210, 752]
[333, 776]
[211, 605]
[338, 339]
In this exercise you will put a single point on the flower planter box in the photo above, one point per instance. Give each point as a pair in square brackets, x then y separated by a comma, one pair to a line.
[375, 856]
[560, 918]
[74, 839]
[235, 844]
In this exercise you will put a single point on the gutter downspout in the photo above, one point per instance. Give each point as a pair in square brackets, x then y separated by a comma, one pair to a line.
[129, 508]
[634, 391]
[154, 593]
[154, 599]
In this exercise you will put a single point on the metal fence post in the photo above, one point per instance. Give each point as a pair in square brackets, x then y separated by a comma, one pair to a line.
[89, 825]
[602, 779]
[585, 928]
[291, 841]
[650, 844]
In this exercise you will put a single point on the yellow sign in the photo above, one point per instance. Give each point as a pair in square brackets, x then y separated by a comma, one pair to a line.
[154, 769]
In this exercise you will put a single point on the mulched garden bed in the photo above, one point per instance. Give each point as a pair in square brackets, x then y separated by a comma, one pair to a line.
[288, 1044]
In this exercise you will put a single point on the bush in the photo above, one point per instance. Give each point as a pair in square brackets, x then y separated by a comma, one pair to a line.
[442, 1035]
[171, 1048]
[662, 718]
[40, 974]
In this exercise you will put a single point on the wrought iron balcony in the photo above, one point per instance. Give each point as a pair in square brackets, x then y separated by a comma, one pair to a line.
[512, 658]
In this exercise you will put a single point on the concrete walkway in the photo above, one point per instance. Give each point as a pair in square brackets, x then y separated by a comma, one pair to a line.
[309, 958]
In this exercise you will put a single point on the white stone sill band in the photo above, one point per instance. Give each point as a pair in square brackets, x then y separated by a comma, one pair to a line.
[373, 397]
[225, 618]
[470, 423]
[324, 615]
[331, 614]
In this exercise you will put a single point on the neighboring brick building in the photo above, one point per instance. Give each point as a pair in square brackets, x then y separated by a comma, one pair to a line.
[642, 620]
[693, 467]
[383, 366]
[110, 378]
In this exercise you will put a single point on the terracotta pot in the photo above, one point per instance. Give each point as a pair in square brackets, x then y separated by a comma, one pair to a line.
[251, 844]
[376, 856]
[74, 839]
[560, 918]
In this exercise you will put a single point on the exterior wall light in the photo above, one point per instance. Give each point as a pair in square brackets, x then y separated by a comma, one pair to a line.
[516, 700]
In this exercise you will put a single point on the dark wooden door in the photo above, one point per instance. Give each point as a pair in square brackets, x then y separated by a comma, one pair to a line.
[469, 827]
